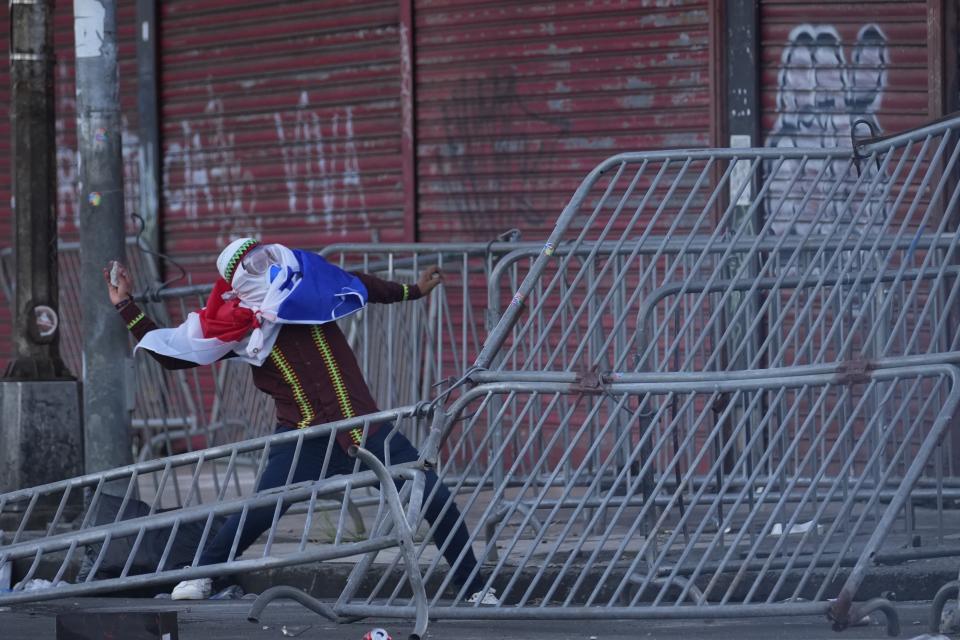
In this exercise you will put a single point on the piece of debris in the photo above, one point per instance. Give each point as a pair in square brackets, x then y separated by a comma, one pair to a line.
[37, 584]
[376, 634]
[292, 631]
[803, 527]
[233, 592]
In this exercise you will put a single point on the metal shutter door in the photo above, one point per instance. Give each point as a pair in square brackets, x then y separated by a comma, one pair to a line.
[279, 120]
[516, 102]
[825, 65]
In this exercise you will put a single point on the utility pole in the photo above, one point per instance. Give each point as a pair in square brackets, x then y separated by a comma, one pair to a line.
[105, 341]
[40, 427]
[149, 135]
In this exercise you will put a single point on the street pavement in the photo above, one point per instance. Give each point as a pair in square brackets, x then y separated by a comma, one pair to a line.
[223, 620]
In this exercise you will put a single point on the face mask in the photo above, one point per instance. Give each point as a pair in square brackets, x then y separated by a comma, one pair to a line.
[255, 273]
[257, 262]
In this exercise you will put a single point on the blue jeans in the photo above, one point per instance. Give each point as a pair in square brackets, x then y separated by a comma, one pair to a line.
[312, 454]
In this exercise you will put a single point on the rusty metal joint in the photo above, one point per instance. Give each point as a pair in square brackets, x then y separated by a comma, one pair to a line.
[855, 371]
[839, 612]
[589, 382]
[857, 142]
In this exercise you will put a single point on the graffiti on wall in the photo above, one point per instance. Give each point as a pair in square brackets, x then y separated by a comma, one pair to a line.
[321, 171]
[207, 175]
[489, 157]
[212, 181]
[824, 87]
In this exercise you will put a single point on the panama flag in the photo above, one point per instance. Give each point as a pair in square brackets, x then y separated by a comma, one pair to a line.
[300, 288]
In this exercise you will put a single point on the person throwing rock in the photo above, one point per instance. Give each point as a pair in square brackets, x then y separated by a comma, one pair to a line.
[274, 308]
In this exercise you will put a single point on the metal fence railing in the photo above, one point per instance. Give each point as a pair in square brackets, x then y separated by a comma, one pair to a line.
[145, 524]
[636, 539]
[871, 278]
[662, 322]
[693, 507]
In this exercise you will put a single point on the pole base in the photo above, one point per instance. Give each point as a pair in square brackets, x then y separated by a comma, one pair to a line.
[40, 369]
[41, 433]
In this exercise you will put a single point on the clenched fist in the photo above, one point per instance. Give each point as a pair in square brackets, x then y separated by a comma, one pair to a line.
[429, 279]
[120, 291]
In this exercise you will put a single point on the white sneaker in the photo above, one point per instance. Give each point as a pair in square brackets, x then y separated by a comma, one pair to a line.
[198, 589]
[488, 597]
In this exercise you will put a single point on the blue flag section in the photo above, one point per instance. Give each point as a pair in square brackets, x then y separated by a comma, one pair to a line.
[321, 292]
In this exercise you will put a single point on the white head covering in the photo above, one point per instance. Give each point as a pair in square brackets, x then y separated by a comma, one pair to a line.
[231, 256]
[258, 274]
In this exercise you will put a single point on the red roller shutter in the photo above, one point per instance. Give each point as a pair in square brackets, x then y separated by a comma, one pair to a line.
[516, 102]
[826, 64]
[279, 120]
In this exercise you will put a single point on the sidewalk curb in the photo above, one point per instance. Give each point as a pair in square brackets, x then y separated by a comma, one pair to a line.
[913, 581]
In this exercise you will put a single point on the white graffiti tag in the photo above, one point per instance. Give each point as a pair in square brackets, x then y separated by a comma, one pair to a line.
[820, 96]
[321, 171]
[207, 180]
[213, 182]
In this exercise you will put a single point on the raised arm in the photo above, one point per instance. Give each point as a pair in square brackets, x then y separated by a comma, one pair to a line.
[385, 292]
[136, 320]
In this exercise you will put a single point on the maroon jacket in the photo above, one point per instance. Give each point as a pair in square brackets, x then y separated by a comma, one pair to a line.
[311, 373]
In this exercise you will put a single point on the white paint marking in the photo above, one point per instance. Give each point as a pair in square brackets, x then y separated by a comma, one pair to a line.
[820, 94]
[741, 171]
[89, 16]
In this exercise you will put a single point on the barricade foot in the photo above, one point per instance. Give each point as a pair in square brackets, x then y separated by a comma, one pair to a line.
[842, 619]
[939, 601]
[284, 591]
[404, 537]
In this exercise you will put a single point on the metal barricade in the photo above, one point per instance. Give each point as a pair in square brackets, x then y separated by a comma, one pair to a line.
[715, 391]
[857, 278]
[647, 339]
[868, 274]
[671, 316]
[627, 524]
[132, 523]
[726, 260]
[638, 539]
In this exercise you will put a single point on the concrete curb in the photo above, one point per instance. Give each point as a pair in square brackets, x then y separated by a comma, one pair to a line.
[911, 581]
